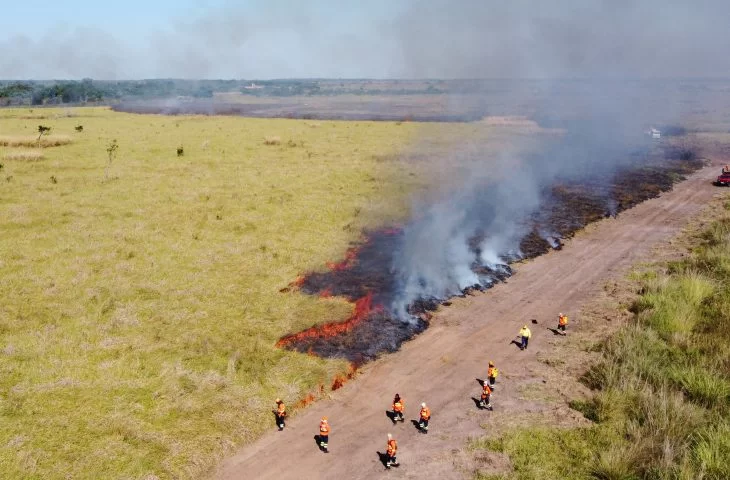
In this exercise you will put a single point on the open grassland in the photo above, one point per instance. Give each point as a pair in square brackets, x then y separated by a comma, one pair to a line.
[139, 313]
[661, 404]
[140, 299]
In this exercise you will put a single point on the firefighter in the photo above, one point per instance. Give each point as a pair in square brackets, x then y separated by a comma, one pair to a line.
[280, 413]
[398, 406]
[492, 373]
[562, 323]
[425, 417]
[486, 394]
[324, 435]
[525, 335]
[391, 451]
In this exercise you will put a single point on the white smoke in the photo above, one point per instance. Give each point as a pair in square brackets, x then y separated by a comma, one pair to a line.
[478, 225]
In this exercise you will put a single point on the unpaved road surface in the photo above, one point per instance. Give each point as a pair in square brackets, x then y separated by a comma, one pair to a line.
[441, 365]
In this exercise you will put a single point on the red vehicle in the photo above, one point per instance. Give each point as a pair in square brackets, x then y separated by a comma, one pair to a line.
[723, 180]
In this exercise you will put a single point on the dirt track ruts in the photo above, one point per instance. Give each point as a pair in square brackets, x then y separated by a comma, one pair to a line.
[440, 366]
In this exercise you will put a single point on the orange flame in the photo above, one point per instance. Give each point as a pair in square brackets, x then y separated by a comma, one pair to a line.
[296, 283]
[363, 307]
[305, 401]
[341, 380]
[350, 257]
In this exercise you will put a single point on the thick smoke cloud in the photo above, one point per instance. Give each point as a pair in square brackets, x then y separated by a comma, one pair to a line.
[610, 46]
[414, 38]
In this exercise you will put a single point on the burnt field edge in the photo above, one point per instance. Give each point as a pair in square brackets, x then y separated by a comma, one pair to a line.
[364, 276]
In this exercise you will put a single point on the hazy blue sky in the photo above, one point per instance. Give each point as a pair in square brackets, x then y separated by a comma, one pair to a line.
[358, 38]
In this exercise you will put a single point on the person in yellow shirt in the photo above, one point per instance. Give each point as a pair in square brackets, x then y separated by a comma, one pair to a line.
[562, 323]
[525, 335]
[492, 373]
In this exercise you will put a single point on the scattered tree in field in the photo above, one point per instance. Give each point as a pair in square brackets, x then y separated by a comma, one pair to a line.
[180, 151]
[79, 128]
[42, 130]
[111, 151]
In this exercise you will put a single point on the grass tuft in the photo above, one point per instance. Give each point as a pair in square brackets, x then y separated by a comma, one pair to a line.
[25, 155]
[33, 142]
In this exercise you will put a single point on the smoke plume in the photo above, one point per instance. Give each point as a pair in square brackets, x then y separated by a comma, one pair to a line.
[412, 38]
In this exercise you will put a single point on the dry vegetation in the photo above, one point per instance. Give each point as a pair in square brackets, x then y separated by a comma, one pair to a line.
[33, 141]
[140, 314]
[26, 155]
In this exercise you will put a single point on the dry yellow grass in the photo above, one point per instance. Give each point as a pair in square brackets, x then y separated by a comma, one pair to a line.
[33, 142]
[139, 315]
[27, 155]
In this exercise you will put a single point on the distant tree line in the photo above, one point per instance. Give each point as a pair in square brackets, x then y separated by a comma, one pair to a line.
[86, 91]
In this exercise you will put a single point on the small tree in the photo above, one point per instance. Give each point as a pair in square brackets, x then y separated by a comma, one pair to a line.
[111, 151]
[42, 130]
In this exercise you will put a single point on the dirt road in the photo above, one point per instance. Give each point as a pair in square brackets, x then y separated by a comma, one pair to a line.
[441, 365]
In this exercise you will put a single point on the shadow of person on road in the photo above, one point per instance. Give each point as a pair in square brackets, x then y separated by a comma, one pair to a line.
[517, 341]
[477, 402]
[480, 381]
[383, 458]
[556, 331]
[416, 424]
[391, 415]
[318, 439]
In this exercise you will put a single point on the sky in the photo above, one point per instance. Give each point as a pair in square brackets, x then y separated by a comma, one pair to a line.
[258, 39]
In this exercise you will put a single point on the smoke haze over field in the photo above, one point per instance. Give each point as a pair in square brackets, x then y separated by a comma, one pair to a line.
[328, 38]
[610, 42]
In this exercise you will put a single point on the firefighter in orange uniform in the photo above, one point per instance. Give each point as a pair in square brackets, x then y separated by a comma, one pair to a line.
[486, 394]
[280, 413]
[391, 451]
[425, 417]
[398, 407]
[324, 435]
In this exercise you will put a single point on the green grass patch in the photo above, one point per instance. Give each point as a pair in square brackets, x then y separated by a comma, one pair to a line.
[661, 398]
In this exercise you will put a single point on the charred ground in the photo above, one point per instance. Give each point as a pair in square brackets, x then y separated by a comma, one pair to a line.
[365, 276]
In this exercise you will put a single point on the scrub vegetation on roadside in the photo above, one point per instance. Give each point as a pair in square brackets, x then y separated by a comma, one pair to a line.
[661, 403]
